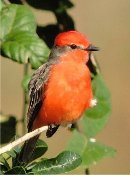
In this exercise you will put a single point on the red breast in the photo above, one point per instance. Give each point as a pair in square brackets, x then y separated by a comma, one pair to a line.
[68, 91]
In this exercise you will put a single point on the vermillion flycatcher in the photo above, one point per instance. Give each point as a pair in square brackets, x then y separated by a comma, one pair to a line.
[60, 90]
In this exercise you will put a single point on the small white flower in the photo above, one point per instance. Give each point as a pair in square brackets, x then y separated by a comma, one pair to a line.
[92, 140]
[93, 102]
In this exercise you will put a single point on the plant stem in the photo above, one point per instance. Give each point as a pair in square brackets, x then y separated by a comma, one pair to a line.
[87, 171]
[25, 102]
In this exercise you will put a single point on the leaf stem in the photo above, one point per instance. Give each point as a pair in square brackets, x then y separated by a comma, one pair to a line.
[25, 101]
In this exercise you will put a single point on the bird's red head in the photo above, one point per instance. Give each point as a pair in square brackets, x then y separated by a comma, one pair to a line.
[71, 37]
[75, 39]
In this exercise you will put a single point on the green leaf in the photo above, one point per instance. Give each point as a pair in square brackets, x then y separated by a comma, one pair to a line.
[40, 149]
[4, 166]
[89, 150]
[96, 118]
[95, 152]
[25, 82]
[93, 126]
[18, 35]
[77, 143]
[16, 170]
[102, 95]
[23, 46]
[17, 149]
[2, 159]
[16, 18]
[11, 153]
[64, 162]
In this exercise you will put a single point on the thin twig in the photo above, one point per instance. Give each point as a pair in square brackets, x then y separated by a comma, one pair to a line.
[22, 139]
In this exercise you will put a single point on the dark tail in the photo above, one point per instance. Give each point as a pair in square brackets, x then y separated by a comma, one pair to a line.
[25, 155]
[27, 150]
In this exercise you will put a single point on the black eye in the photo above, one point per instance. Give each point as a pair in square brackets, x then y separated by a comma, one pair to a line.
[73, 46]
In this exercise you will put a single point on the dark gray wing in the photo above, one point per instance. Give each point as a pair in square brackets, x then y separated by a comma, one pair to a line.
[36, 88]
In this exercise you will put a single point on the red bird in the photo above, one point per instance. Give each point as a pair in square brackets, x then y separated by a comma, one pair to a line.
[60, 90]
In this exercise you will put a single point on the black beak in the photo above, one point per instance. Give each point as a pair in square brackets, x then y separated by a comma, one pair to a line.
[92, 48]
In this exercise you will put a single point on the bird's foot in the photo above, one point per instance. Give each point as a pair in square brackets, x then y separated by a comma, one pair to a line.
[51, 130]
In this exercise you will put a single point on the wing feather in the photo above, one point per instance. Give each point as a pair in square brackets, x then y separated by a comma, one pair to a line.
[36, 90]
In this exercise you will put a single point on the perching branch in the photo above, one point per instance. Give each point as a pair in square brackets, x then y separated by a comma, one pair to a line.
[22, 139]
